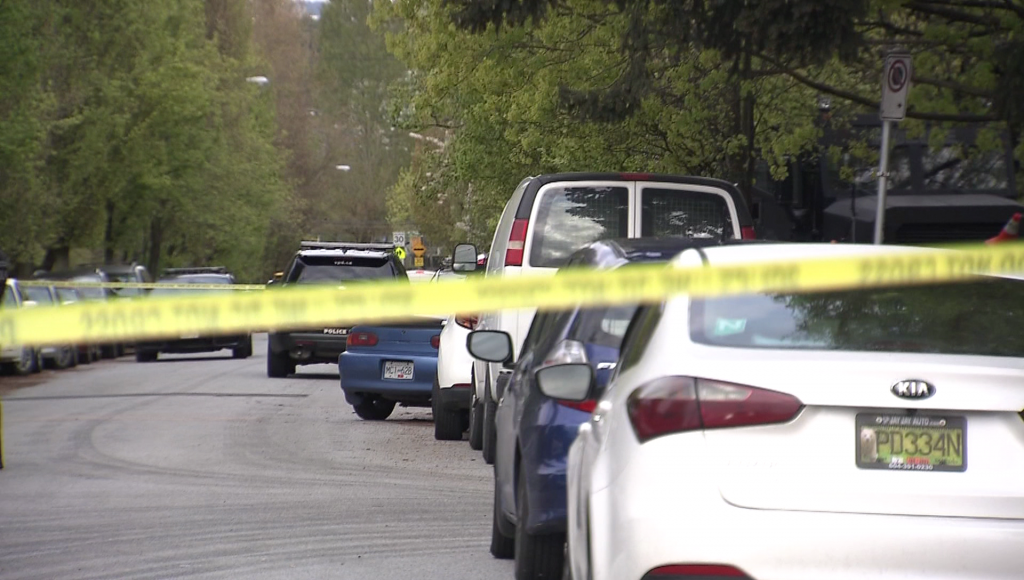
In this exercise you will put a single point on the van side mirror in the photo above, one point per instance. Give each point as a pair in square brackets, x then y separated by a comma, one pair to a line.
[464, 258]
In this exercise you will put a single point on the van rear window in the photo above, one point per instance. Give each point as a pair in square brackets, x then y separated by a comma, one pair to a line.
[317, 269]
[681, 213]
[571, 217]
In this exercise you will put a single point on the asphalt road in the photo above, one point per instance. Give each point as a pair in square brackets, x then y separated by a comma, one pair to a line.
[201, 466]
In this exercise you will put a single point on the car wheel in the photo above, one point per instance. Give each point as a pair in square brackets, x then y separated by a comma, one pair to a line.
[373, 408]
[279, 365]
[503, 546]
[144, 356]
[540, 556]
[65, 358]
[248, 347]
[239, 352]
[447, 424]
[476, 424]
[27, 362]
[490, 431]
[108, 351]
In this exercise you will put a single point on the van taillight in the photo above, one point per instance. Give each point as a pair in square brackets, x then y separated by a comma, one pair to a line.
[361, 339]
[516, 243]
[636, 176]
[678, 404]
[747, 233]
[435, 341]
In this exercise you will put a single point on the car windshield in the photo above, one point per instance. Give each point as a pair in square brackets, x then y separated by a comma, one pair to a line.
[976, 318]
[321, 269]
[571, 217]
[90, 293]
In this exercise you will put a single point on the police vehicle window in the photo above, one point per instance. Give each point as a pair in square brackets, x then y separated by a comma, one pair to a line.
[37, 294]
[90, 293]
[67, 294]
[571, 217]
[314, 269]
[977, 318]
[690, 214]
[604, 326]
[639, 335]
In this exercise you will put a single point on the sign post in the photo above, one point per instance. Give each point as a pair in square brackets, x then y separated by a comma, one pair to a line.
[895, 86]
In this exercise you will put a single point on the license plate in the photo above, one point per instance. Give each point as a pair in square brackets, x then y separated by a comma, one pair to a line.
[911, 442]
[400, 370]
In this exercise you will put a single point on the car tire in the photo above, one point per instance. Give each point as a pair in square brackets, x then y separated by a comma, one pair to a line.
[503, 546]
[144, 356]
[241, 351]
[65, 358]
[538, 556]
[27, 364]
[279, 365]
[374, 408]
[476, 424]
[490, 431]
[447, 424]
[108, 351]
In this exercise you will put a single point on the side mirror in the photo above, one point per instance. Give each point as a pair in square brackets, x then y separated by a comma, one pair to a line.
[464, 258]
[493, 346]
[568, 382]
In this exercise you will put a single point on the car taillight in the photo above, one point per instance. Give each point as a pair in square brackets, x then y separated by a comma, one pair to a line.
[361, 339]
[635, 176]
[435, 341]
[516, 243]
[587, 406]
[678, 404]
[696, 571]
[747, 233]
[467, 320]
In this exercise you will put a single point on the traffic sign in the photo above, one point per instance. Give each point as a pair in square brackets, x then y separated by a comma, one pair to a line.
[895, 86]
[398, 238]
[418, 249]
[400, 253]
[417, 262]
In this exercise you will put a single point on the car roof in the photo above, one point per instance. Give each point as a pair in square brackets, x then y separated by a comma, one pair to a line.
[767, 252]
[616, 252]
[346, 252]
[73, 273]
[197, 276]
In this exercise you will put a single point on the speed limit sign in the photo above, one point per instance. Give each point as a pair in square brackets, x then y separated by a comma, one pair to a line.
[895, 86]
[398, 238]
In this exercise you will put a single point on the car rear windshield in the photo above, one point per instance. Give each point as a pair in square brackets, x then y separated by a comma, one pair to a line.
[320, 269]
[975, 318]
[689, 214]
[571, 217]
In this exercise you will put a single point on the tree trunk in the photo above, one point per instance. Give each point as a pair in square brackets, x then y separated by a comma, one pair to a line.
[57, 258]
[156, 236]
[108, 235]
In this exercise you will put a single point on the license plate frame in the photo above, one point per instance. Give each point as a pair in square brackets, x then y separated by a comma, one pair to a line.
[398, 370]
[871, 426]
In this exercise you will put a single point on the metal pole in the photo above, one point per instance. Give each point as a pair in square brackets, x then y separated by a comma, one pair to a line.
[883, 176]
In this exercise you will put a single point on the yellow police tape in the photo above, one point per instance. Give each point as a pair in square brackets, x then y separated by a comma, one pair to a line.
[140, 285]
[319, 306]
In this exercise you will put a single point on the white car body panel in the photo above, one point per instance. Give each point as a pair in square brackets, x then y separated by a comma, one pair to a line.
[454, 363]
[787, 501]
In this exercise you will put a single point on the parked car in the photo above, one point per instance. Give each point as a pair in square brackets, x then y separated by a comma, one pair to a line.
[534, 431]
[87, 352]
[91, 275]
[387, 364]
[57, 356]
[785, 435]
[14, 358]
[551, 216]
[131, 273]
[452, 393]
[239, 344]
[337, 263]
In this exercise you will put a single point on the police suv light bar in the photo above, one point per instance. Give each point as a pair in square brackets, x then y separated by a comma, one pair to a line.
[311, 245]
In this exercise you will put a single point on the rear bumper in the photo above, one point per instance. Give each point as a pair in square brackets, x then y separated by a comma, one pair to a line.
[660, 510]
[308, 347]
[456, 397]
[188, 345]
[363, 374]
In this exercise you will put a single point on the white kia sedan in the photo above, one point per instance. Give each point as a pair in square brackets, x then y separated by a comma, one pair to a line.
[857, 434]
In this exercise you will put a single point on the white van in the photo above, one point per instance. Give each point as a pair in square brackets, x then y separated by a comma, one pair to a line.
[551, 216]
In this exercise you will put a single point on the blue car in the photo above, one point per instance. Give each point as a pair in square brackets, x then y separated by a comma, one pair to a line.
[534, 432]
[388, 364]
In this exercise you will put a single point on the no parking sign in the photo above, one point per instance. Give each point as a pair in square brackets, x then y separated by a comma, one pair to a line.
[895, 86]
